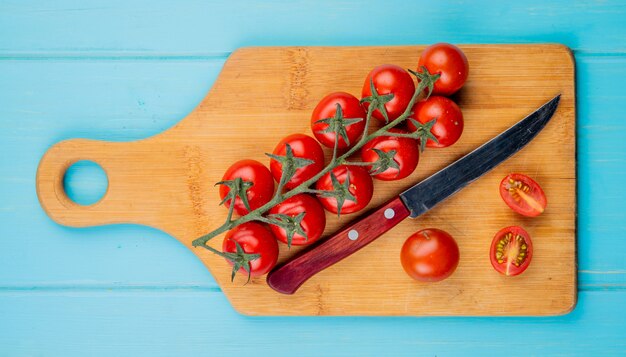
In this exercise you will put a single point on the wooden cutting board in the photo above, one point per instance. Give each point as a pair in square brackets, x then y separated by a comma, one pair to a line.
[264, 94]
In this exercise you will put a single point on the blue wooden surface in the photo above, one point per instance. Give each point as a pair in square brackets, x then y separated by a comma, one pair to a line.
[123, 70]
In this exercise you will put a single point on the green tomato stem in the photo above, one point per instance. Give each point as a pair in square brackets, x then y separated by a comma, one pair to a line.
[358, 163]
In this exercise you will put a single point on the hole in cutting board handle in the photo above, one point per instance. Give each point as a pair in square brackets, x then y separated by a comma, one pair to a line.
[85, 182]
[78, 182]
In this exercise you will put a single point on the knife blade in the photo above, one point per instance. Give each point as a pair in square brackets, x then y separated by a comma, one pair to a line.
[413, 202]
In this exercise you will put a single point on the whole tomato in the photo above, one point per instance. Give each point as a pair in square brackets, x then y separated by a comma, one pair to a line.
[430, 255]
[254, 238]
[313, 222]
[360, 186]
[261, 190]
[403, 162]
[305, 147]
[389, 78]
[351, 109]
[449, 125]
[450, 62]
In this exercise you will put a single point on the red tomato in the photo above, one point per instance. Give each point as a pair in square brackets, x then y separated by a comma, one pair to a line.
[523, 195]
[406, 156]
[511, 251]
[389, 78]
[254, 238]
[430, 255]
[259, 193]
[302, 146]
[361, 187]
[326, 108]
[312, 224]
[450, 62]
[449, 125]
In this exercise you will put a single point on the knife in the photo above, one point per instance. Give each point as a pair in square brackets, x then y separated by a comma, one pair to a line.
[413, 202]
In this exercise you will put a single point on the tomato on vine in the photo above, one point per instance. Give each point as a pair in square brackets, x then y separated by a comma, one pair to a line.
[250, 183]
[392, 157]
[307, 152]
[346, 189]
[339, 122]
[308, 216]
[254, 239]
[348, 120]
[392, 80]
[449, 61]
[448, 124]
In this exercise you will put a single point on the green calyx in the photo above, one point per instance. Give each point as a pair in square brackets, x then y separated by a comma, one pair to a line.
[377, 101]
[340, 191]
[237, 188]
[425, 80]
[291, 225]
[240, 259]
[338, 124]
[423, 132]
[289, 165]
[386, 160]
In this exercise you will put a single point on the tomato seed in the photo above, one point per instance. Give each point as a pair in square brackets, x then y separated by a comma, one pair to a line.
[515, 186]
[508, 244]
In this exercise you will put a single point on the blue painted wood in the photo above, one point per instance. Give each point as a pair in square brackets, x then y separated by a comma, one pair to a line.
[179, 323]
[121, 28]
[124, 70]
[85, 182]
[601, 167]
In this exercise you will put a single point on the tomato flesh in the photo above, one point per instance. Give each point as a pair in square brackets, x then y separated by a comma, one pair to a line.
[511, 251]
[523, 195]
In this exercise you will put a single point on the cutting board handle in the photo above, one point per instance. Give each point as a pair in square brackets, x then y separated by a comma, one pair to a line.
[112, 207]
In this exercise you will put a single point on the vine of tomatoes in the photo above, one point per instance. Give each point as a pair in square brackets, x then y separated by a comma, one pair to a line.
[409, 119]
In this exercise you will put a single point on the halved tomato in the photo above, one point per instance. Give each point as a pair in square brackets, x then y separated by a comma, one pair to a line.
[511, 251]
[523, 195]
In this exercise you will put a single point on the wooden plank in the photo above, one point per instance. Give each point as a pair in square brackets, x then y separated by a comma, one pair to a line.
[115, 29]
[46, 101]
[182, 323]
[166, 181]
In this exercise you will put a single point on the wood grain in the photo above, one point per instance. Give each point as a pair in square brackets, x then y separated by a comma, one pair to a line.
[263, 94]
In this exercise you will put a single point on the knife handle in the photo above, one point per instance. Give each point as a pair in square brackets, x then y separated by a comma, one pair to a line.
[287, 278]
